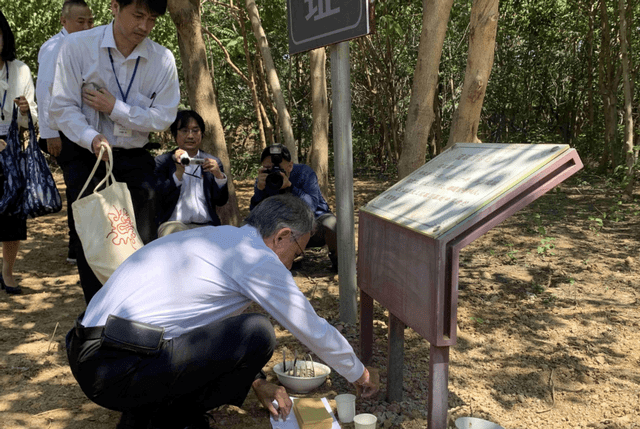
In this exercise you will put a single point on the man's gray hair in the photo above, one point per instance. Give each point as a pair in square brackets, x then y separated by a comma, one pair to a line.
[282, 211]
[68, 4]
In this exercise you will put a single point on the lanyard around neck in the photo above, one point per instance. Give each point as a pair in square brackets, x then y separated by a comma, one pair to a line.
[4, 97]
[133, 76]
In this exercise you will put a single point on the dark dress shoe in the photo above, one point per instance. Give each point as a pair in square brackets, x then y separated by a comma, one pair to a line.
[15, 290]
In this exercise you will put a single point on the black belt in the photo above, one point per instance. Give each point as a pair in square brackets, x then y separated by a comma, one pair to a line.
[91, 333]
[148, 146]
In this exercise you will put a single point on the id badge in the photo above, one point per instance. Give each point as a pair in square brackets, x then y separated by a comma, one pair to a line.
[4, 130]
[120, 131]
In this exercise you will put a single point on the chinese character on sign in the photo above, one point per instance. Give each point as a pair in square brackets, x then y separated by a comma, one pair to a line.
[322, 10]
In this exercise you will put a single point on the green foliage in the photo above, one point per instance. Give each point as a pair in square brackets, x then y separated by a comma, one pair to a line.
[543, 86]
[546, 245]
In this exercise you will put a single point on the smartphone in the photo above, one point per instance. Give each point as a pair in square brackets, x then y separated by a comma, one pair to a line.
[90, 85]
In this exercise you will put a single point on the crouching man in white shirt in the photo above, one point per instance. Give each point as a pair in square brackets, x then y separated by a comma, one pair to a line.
[166, 338]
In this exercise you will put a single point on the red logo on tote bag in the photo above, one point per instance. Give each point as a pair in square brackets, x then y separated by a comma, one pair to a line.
[122, 228]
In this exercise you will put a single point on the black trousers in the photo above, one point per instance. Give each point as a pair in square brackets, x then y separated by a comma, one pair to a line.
[135, 167]
[190, 375]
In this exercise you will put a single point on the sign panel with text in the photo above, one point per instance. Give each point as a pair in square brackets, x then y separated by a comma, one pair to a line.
[459, 182]
[316, 23]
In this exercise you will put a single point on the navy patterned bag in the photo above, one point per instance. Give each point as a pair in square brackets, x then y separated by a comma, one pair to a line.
[12, 181]
[40, 196]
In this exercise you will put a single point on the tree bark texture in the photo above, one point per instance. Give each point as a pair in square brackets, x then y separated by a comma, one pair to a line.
[185, 14]
[482, 42]
[435, 16]
[627, 145]
[608, 80]
[319, 153]
[272, 78]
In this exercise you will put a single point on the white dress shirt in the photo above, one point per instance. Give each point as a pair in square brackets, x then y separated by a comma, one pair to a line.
[192, 204]
[193, 278]
[44, 84]
[152, 101]
[19, 83]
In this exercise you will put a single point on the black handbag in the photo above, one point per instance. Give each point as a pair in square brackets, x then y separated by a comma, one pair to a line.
[40, 196]
[12, 181]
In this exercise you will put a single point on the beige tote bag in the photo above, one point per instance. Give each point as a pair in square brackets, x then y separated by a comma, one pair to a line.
[105, 222]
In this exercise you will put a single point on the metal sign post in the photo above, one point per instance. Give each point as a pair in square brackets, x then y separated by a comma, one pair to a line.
[343, 166]
[313, 24]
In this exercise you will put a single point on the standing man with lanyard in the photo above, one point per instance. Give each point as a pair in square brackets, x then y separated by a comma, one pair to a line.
[75, 16]
[113, 85]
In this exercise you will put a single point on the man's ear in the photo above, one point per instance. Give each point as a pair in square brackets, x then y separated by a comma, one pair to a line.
[282, 234]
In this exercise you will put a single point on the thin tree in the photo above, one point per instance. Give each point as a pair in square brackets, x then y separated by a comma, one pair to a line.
[482, 41]
[272, 78]
[435, 16]
[185, 14]
[319, 153]
[630, 158]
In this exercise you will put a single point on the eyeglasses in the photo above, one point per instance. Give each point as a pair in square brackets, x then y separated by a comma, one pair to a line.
[301, 254]
[187, 131]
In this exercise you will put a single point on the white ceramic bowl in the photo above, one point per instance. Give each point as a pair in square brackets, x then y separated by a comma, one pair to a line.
[302, 384]
[474, 423]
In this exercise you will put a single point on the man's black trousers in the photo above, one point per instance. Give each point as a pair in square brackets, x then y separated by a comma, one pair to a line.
[210, 366]
[135, 167]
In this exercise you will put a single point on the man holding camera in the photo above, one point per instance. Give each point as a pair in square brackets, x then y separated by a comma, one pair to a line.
[167, 339]
[191, 182]
[279, 175]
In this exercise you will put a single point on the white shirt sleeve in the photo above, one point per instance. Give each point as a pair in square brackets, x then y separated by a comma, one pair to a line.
[46, 69]
[272, 287]
[66, 98]
[26, 88]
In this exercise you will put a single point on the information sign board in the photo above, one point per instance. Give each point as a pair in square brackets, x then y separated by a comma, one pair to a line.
[316, 23]
[459, 182]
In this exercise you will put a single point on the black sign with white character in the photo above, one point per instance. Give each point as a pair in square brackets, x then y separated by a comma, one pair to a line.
[316, 23]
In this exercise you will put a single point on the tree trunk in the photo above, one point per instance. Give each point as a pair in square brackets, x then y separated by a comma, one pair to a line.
[608, 84]
[630, 158]
[482, 42]
[272, 78]
[435, 16]
[319, 153]
[186, 16]
[252, 82]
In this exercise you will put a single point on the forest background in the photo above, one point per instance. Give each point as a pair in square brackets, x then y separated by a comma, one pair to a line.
[559, 71]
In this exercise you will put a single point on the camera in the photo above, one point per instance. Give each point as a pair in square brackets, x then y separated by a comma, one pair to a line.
[274, 179]
[187, 160]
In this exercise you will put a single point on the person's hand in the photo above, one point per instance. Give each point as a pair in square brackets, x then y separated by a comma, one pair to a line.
[368, 385]
[54, 146]
[267, 392]
[3, 144]
[211, 165]
[22, 104]
[285, 181]
[97, 143]
[262, 178]
[100, 100]
[179, 166]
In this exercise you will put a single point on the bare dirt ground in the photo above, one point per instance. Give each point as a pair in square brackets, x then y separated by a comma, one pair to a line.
[549, 328]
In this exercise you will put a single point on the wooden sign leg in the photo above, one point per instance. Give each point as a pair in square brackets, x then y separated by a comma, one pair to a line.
[396, 359]
[366, 328]
[438, 401]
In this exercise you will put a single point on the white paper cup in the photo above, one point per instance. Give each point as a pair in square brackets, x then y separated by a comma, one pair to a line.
[346, 404]
[365, 421]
